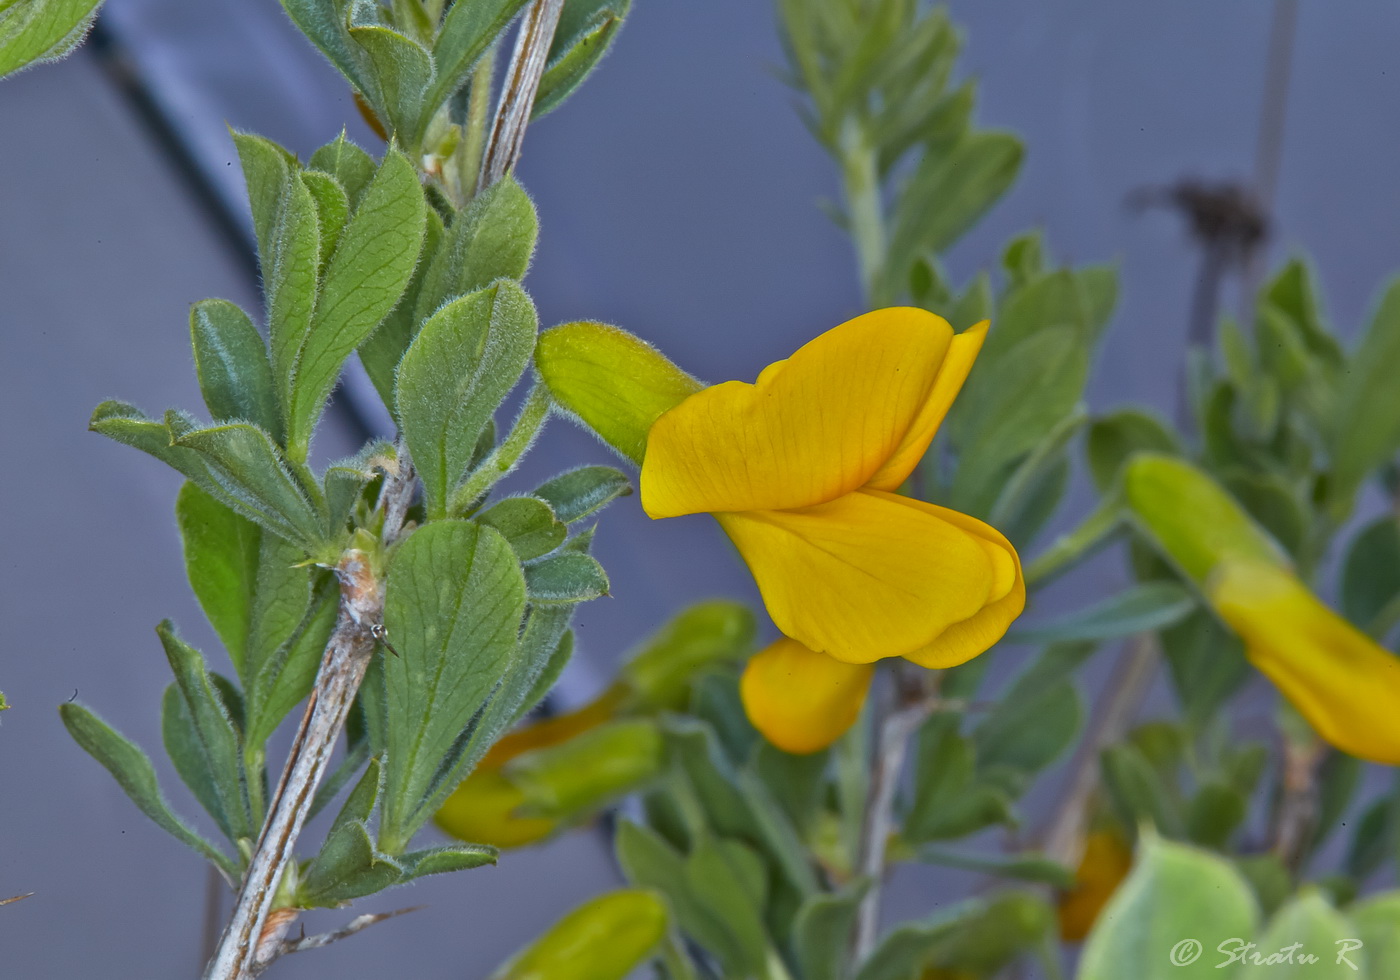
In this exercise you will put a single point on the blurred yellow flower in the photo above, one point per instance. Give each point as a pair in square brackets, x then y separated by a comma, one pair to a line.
[801, 468]
[1344, 683]
[1106, 862]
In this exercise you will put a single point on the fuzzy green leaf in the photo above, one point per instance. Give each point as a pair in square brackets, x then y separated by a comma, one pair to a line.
[364, 279]
[578, 493]
[332, 212]
[401, 69]
[42, 30]
[230, 359]
[133, 772]
[586, 29]
[453, 606]
[527, 523]
[218, 741]
[464, 361]
[1149, 606]
[351, 166]
[324, 23]
[467, 31]
[221, 560]
[565, 578]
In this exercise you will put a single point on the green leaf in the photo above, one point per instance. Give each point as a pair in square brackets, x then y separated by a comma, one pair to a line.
[1039, 715]
[948, 194]
[1315, 928]
[1206, 663]
[324, 23]
[1008, 413]
[364, 279]
[612, 382]
[1374, 839]
[266, 168]
[1115, 437]
[606, 938]
[133, 772]
[821, 931]
[1215, 813]
[528, 523]
[1174, 895]
[221, 560]
[401, 69]
[446, 858]
[127, 424]
[730, 881]
[230, 359]
[464, 361]
[565, 578]
[589, 770]
[290, 281]
[586, 29]
[351, 166]
[1138, 791]
[989, 938]
[1371, 573]
[246, 465]
[580, 492]
[1138, 609]
[711, 633]
[947, 802]
[191, 761]
[332, 212]
[453, 605]
[42, 30]
[384, 349]
[1378, 925]
[347, 867]
[904, 950]
[1022, 867]
[217, 738]
[1366, 431]
[467, 31]
[286, 662]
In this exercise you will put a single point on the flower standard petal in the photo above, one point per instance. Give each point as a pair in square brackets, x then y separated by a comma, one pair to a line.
[957, 363]
[800, 700]
[1345, 685]
[812, 428]
[866, 576]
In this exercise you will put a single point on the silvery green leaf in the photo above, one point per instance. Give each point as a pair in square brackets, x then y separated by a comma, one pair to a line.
[332, 212]
[324, 22]
[351, 166]
[586, 29]
[401, 69]
[42, 30]
[467, 31]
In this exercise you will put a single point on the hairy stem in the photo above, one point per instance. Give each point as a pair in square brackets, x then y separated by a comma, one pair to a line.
[254, 934]
[527, 63]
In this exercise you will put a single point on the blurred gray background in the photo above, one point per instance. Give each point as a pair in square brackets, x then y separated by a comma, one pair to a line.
[677, 193]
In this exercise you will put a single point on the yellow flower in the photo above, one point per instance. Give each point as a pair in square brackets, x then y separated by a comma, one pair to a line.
[800, 470]
[1106, 862]
[1339, 679]
[800, 700]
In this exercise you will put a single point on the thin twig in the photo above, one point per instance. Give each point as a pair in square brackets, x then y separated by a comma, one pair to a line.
[1268, 154]
[355, 925]
[527, 64]
[254, 933]
[1063, 837]
[911, 704]
[15, 898]
[1296, 814]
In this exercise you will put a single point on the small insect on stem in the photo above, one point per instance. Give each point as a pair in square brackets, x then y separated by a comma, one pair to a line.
[382, 635]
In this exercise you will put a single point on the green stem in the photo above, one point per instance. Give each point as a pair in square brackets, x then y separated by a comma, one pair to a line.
[506, 455]
[473, 145]
[1069, 548]
[860, 174]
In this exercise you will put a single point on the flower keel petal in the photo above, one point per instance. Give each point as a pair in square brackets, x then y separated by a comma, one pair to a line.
[800, 700]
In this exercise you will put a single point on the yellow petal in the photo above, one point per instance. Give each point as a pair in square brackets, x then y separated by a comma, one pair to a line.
[964, 640]
[1106, 862]
[800, 700]
[1341, 681]
[866, 576]
[962, 352]
[813, 427]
